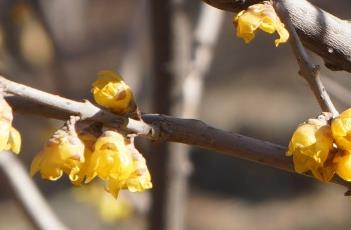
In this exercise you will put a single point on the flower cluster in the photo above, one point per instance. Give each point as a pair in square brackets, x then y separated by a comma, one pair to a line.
[323, 149]
[259, 16]
[10, 138]
[85, 152]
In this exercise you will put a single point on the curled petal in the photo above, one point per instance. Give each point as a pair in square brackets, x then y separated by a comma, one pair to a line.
[259, 16]
[343, 165]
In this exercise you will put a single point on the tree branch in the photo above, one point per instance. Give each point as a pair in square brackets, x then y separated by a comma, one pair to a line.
[308, 70]
[156, 127]
[321, 32]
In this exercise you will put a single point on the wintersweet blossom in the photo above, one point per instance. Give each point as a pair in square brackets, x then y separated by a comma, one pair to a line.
[63, 153]
[110, 158]
[138, 181]
[116, 161]
[110, 91]
[310, 146]
[10, 138]
[259, 16]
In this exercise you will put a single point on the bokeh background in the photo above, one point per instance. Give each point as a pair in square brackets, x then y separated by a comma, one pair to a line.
[59, 46]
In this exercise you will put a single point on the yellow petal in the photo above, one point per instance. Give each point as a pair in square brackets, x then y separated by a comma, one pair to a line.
[341, 130]
[14, 142]
[5, 128]
[324, 174]
[343, 166]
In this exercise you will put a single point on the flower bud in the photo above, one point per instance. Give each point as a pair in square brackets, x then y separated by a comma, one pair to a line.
[110, 91]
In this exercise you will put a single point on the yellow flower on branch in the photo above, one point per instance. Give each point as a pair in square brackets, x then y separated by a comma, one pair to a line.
[112, 92]
[111, 158]
[310, 146]
[64, 153]
[341, 129]
[259, 16]
[138, 181]
[10, 138]
[116, 161]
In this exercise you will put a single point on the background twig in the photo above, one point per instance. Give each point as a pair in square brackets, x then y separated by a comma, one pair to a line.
[27, 194]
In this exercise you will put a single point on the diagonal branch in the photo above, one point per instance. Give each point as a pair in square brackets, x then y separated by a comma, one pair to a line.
[320, 31]
[308, 70]
[156, 127]
[27, 194]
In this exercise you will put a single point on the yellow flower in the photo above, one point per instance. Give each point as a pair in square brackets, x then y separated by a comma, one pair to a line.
[111, 158]
[116, 161]
[112, 92]
[64, 153]
[343, 165]
[310, 146]
[259, 16]
[10, 138]
[138, 181]
[341, 129]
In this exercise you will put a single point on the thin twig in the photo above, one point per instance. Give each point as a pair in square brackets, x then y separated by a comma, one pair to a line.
[156, 127]
[27, 194]
[308, 70]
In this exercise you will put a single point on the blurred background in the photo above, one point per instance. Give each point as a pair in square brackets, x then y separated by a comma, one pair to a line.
[181, 58]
